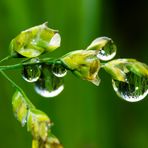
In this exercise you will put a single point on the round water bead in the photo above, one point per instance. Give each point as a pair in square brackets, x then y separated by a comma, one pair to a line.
[107, 52]
[31, 73]
[48, 84]
[135, 89]
[58, 70]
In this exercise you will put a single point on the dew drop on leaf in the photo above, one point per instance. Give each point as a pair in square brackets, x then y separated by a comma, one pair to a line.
[135, 89]
[31, 73]
[48, 84]
[24, 121]
[107, 52]
[58, 70]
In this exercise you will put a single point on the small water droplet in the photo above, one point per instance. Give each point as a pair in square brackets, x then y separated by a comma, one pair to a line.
[48, 84]
[58, 70]
[24, 121]
[31, 73]
[134, 90]
[107, 52]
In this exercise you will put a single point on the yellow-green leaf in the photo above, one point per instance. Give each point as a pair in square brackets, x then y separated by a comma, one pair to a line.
[119, 67]
[38, 124]
[84, 64]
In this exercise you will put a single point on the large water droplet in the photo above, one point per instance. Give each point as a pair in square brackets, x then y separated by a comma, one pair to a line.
[58, 70]
[31, 73]
[48, 84]
[107, 52]
[135, 89]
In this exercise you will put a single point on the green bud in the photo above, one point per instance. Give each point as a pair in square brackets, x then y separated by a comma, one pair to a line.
[118, 68]
[138, 68]
[19, 107]
[38, 123]
[84, 64]
[50, 142]
[53, 142]
[35, 41]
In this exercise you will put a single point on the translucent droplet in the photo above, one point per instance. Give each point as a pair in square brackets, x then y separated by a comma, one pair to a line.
[48, 84]
[58, 70]
[31, 73]
[135, 89]
[24, 121]
[107, 52]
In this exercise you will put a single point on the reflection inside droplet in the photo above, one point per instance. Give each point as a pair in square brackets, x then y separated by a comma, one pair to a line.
[135, 90]
[58, 70]
[48, 84]
[31, 73]
[107, 52]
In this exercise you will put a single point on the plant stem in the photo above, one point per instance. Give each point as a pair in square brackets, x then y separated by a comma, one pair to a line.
[19, 89]
[7, 58]
[20, 65]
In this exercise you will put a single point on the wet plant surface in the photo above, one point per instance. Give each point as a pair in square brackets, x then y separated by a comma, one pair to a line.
[129, 76]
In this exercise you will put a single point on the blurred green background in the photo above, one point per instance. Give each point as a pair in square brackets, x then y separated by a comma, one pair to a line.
[85, 116]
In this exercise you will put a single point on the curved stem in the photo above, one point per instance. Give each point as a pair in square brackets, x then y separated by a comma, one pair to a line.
[19, 89]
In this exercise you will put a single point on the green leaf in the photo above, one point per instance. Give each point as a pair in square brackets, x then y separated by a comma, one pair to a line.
[35, 41]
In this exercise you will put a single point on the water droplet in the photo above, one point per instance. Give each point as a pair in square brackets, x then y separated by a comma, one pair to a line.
[107, 52]
[48, 84]
[31, 73]
[134, 90]
[24, 121]
[58, 70]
